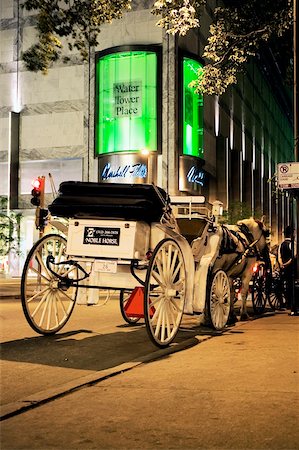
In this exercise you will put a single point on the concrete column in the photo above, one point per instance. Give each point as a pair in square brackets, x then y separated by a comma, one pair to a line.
[170, 158]
[90, 166]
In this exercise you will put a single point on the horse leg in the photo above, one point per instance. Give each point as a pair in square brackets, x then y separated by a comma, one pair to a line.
[245, 287]
[232, 318]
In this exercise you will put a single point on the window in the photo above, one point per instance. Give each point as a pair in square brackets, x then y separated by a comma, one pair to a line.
[192, 111]
[126, 102]
[60, 169]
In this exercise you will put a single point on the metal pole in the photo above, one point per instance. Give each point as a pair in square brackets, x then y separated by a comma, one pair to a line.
[296, 138]
[296, 142]
[293, 299]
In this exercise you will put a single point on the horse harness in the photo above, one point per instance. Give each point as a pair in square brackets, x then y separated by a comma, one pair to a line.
[251, 250]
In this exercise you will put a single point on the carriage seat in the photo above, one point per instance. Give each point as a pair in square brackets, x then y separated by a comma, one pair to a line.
[79, 199]
[191, 228]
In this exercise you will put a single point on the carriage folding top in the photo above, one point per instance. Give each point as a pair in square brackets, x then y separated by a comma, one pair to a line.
[117, 201]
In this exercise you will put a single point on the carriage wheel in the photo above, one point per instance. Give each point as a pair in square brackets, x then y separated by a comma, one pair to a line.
[165, 291]
[277, 298]
[218, 299]
[123, 300]
[47, 302]
[259, 292]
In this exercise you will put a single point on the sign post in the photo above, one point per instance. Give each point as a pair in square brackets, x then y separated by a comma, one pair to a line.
[288, 179]
[288, 175]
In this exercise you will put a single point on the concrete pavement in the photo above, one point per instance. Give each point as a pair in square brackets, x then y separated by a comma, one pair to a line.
[10, 287]
[234, 390]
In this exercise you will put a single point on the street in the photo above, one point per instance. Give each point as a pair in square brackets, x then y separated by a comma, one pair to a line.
[101, 384]
[96, 340]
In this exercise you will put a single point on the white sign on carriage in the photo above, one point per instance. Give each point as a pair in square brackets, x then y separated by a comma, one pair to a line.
[288, 175]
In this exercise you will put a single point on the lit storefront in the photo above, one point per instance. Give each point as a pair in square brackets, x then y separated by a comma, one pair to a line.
[128, 118]
[191, 112]
[127, 114]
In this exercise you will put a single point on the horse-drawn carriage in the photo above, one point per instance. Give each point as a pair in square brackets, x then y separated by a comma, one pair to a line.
[129, 238]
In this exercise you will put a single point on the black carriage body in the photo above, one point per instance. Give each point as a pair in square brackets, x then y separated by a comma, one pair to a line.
[117, 201]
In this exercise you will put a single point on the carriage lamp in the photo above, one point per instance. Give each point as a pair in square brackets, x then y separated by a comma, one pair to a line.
[255, 268]
[217, 209]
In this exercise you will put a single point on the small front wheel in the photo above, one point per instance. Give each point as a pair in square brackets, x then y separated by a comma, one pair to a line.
[218, 300]
[48, 300]
[165, 292]
[124, 297]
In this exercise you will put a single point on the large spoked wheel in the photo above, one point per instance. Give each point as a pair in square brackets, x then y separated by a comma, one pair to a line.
[123, 300]
[165, 292]
[259, 291]
[218, 300]
[48, 300]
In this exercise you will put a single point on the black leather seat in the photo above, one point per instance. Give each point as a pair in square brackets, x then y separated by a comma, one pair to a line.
[110, 200]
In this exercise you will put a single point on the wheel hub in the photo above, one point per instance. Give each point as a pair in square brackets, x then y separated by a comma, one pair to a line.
[170, 292]
[53, 284]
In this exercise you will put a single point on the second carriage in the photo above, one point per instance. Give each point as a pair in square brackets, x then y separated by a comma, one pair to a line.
[127, 238]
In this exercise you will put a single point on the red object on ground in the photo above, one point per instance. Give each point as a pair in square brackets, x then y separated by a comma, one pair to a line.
[134, 306]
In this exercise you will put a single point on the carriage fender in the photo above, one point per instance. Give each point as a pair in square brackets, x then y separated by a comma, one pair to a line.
[203, 269]
[189, 261]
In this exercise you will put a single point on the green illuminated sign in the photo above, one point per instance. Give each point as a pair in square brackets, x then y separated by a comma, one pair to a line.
[126, 106]
[192, 111]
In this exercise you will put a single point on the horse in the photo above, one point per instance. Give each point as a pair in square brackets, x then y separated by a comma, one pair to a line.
[242, 246]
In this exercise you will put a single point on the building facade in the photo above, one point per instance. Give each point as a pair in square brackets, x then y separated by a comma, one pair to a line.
[129, 115]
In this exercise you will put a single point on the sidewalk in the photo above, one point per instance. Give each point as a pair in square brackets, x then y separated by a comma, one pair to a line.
[238, 390]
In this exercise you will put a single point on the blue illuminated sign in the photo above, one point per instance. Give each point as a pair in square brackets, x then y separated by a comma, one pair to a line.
[195, 175]
[138, 170]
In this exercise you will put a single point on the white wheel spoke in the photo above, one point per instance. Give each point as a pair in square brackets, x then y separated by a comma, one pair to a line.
[158, 279]
[171, 312]
[66, 295]
[45, 309]
[164, 261]
[42, 300]
[55, 310]
[175, 305]
[37, 294]
[174, 259]
[153, 302]
[157, 310]
[163, 325]
[61, 304]
[169, 258]
[176, 271]
[168, 327]
[41, 262]
[33, 269]
[49, 311]
[159, 320]
[160, 273]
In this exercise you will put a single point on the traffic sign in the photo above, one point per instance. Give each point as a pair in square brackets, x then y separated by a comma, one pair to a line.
[288, 175]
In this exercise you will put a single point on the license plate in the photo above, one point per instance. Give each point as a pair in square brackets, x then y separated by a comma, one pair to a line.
[101, 236]
[105, 266]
